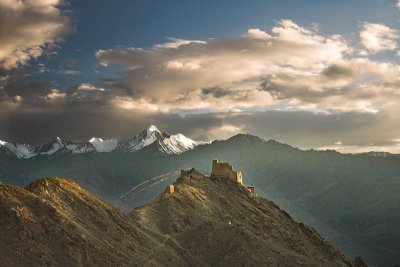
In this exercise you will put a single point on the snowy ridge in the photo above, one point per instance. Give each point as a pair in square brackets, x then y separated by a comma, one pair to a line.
[145, 138]
[51, 147]
[176, 144]
[169, 144]
[103, 145]
[20, 150]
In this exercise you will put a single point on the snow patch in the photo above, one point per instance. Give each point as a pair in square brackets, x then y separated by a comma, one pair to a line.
[21, 150]
[176, 144]
[103, 145]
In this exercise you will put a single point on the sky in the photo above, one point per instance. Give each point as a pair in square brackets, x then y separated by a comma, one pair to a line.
[313, 74]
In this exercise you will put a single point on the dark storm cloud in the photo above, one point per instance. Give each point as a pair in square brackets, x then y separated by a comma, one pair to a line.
[32, 89]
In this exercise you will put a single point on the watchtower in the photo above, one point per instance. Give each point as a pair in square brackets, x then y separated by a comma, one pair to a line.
[226, 170]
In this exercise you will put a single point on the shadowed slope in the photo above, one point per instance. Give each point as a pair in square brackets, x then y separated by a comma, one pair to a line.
[220, 222]
[54, 221]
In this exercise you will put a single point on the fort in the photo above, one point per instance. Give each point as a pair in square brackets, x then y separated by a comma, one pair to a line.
[219, 170]
[225, 170]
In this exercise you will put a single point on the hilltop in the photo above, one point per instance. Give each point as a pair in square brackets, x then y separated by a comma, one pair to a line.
[223, 223]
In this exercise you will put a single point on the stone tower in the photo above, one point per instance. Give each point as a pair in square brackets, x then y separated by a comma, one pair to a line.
[225, 170]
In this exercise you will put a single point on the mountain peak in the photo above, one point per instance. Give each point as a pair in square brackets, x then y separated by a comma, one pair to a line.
[169, 144]
[153, 128]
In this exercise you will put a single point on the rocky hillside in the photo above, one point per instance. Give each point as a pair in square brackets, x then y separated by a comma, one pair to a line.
[54, 222]
[221, 223]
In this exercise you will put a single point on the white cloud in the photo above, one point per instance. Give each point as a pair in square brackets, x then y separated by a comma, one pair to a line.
[28, 28]
[291, 68]
[175, 75]
[71, 72]
[55, 95]
[378, 37]
[89, 87]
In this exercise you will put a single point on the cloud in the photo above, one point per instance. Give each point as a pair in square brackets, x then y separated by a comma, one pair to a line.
[378, 37]
[28, 28]
[89, 87]
[289, 68]
[32, 89]
[70, 72]
[176, 75]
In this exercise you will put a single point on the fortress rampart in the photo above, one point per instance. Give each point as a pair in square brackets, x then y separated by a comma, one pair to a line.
[226, 170]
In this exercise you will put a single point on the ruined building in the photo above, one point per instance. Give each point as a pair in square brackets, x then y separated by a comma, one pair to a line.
[219, 170]
[225, 170]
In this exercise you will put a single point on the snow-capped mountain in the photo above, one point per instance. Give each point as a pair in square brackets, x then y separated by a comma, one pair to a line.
[58, 145]
[175, 144]
[169, 144]
[19, 150]
[145, 138]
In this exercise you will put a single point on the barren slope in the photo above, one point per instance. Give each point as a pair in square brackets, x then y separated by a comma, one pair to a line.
[221, 223]
[55, 222]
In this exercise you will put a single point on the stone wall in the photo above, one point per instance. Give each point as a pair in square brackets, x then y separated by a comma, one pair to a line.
[226, 170]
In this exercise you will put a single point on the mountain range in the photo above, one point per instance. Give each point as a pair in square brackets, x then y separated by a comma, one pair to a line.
[204, 221]
[169, 144]
[351, 199]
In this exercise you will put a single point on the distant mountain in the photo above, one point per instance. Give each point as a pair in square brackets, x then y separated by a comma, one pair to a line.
[169, 144]
[352, 199]
[381, 154]
[58, 145]
[204, 222]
